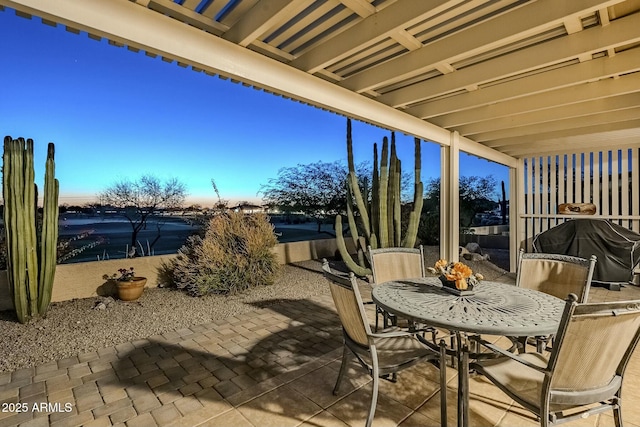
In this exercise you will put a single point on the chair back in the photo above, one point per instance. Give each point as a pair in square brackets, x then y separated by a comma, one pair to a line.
[554, 274]
[593, 345]
[348, 301]
[396, 263]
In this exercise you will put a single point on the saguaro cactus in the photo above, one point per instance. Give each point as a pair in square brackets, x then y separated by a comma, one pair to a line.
[379, 220]
[503, 205]
[31, 249]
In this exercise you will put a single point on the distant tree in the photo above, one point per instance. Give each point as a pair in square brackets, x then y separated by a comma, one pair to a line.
[140, 200]
[316, 189]
[477, 194]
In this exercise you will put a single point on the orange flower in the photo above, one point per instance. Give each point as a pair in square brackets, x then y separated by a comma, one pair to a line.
[457, 272]
[462, 270]
[441, 263]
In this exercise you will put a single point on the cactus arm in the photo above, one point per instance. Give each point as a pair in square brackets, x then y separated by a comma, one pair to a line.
[350, 162]
[391, 191]
[374, 241]
[397, 214]
[49, 237]
[346, 257]
[361, 258]
[7, 217]
[31, 203]
[375, 205]
[417, 159]
[11, 220]
[21, 253]
[414, 219]
[357, 195]
[351, 219]
[353, 182]
[382, 196]
[14, 203]
[418, 198]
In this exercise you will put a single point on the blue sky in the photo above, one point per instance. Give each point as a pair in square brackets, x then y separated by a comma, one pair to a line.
[116, 114]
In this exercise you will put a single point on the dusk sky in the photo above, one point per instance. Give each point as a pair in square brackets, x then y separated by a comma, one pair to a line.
[116, 114]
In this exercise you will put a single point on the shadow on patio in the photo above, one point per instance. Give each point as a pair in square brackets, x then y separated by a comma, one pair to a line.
[275, 366]
[241, 371]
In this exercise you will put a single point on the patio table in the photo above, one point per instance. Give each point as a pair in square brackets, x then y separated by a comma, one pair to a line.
[493, 308]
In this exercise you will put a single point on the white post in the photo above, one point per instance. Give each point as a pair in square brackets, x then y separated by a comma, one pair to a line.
[450, 200]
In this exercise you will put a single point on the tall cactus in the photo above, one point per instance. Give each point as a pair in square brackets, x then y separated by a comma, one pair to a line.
[31, 250]
[378, 221]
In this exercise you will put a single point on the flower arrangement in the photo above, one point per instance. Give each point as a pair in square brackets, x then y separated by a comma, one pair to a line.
[123, 275]
[456, 272]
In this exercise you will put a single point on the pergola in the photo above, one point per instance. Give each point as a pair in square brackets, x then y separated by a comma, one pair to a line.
[549, 88]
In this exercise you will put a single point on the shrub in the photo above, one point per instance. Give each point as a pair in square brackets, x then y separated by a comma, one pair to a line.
[234, 255]
[429, 228]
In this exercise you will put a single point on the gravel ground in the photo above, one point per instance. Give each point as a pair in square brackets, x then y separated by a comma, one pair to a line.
[75, 327]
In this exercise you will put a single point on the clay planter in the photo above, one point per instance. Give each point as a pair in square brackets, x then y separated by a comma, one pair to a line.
[130, 290]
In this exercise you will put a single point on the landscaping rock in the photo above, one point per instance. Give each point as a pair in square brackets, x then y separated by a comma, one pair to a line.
[474, 248]
[476, 257]
[103, 303]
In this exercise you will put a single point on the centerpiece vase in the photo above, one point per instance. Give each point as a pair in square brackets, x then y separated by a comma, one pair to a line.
[450, 286]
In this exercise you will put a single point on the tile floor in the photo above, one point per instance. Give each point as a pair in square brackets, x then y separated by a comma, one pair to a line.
[275, 366]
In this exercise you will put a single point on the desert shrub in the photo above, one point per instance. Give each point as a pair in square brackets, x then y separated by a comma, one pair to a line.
[234, 255]
[429, 228]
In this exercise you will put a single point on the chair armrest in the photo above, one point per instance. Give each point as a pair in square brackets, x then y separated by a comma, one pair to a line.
[508, 354]
[392, 334]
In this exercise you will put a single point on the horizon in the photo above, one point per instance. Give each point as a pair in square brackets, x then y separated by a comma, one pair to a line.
[114, 114]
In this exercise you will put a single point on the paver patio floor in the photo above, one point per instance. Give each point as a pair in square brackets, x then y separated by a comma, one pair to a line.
[275, 366]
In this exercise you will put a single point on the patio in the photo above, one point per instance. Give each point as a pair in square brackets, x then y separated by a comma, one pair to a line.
[535, 95]
[275, 366]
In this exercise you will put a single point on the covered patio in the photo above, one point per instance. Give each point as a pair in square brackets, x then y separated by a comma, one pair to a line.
[547, 88]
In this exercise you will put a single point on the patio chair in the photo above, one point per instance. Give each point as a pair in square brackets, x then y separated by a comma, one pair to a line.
[586, 365]
[394, 264]
[381, 354]
[557, 275]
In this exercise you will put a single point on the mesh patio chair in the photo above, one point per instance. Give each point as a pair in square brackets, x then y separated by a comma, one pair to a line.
[586, 365]
[557, 275]
[381, 354]
[394, 264]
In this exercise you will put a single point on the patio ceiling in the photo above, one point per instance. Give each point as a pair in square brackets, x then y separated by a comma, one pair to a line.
[518, 77]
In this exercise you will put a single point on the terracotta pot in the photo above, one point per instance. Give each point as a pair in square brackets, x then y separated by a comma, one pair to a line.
[131, 290]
